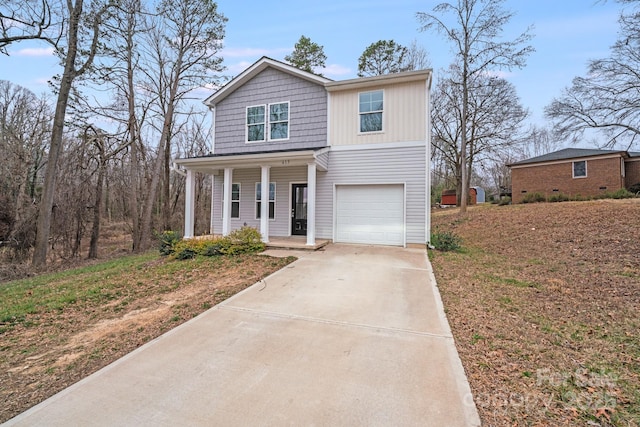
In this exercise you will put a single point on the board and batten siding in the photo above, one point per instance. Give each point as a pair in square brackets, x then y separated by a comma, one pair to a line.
[307, 113]
[404, 115]
[247, 178]
[405, 164]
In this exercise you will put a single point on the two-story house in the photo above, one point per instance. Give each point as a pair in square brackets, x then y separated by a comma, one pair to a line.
[294, 153]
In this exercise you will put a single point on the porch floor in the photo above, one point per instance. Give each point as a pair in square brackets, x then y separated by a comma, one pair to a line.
[279, 242]
[295, 242]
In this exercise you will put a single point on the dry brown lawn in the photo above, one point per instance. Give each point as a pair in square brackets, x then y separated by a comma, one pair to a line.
[544, 304]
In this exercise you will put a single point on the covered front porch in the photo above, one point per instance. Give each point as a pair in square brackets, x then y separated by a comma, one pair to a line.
[283, 204]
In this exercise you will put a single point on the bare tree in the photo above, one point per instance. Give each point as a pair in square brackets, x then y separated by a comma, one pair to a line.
[120, 71]
[105, 148]
[417, 57]
[496, 115]
[606, 99]
[184, 45]
[27, 20]
[77, 57]
[25, 126]
[476, 38]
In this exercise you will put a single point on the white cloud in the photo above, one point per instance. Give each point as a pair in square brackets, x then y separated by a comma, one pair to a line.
[238, 67]
[336, 70]
[35, 51]
[244, 52]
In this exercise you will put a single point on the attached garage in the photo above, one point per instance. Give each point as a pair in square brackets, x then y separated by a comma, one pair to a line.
[370, 214]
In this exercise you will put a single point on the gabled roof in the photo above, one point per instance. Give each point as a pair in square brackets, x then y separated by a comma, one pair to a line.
[569, 153]
[364, 82]
[257, 67]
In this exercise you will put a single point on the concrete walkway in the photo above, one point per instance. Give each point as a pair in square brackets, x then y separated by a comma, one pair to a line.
[348, 336]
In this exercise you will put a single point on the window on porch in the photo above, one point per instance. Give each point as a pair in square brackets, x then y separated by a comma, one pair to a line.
[235, 200]
[272, 200]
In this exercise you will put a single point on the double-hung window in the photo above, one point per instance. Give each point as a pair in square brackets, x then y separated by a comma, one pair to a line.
[371, 106]
[279, 121]
[580, 169]
[235, 200]
[256, 123]
[272, 200]
[268, 122]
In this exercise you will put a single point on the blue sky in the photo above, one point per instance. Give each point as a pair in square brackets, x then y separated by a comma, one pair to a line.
[567, 33]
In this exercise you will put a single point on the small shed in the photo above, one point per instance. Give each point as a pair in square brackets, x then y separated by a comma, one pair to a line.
[449, 197]
[480, 194]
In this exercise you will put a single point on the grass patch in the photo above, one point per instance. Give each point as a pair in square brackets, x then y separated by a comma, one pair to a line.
[510, 281]
[55, 291]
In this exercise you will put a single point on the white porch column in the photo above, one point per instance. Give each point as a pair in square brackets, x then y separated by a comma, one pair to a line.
[189, 205]
[264, 203]
[311, 204]
[213, 192]
[226, 201]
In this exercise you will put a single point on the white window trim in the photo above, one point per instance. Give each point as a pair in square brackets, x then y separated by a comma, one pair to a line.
[275, 196]
[573, 169]
[264, 123]
[267, 123]
[233, 201]
[373, 132]
[288, 121]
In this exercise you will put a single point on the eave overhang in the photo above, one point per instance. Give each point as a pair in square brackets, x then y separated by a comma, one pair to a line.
[210, 164]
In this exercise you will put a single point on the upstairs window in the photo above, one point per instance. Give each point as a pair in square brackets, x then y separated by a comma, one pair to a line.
[370, 109]
[268, 122]
[580, 169]
[272, 200]
[256, 123]
[279, 121]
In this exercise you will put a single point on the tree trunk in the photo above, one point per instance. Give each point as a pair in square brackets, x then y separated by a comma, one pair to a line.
[97, 208]
[166, 186]
[46, 203]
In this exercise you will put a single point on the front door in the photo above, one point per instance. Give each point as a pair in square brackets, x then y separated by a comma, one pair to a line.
[299, 209]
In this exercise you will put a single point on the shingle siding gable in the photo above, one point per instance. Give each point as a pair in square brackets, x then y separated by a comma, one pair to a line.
[307, 113]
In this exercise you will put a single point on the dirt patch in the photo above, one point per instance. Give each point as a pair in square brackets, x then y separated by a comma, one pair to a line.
[53, 349]
[544, 304]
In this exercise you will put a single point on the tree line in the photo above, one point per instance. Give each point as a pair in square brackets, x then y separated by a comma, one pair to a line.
[122, 110]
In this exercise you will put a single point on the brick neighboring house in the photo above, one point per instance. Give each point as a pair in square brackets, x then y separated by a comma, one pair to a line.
[575, 171]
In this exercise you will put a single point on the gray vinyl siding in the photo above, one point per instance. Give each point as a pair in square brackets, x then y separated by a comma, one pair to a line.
[307, 113]
[323, 160]
[405, 165]
[247, 178]
[401, 165]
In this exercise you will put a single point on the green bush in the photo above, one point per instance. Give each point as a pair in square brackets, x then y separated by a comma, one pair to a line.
[241, 241]
[446, 241]
[245, 240]
[558, 198]
[622, 193]
[167, 241]
[504, 201]
[534, 198]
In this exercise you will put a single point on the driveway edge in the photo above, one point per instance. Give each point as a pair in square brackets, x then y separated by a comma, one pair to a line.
[464, 389]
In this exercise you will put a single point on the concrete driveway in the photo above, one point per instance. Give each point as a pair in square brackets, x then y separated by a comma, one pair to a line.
[352, 336]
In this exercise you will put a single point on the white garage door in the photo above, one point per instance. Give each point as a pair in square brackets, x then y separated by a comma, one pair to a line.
[370, 214]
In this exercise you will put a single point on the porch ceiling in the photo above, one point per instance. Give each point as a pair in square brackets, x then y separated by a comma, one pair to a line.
[209, 164]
